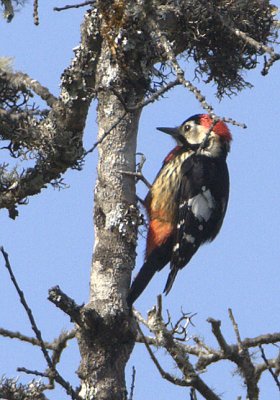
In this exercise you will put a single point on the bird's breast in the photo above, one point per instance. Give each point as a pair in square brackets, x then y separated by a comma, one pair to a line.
[164, 191]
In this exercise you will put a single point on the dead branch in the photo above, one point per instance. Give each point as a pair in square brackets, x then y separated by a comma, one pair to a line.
[216, 329]
[23, 338]
[132, 383]
[237, 353]
[66, 304]
[163, 373]
[68, 7]
[105, 134]
[269, 367]
[56, 376]
[8, 10]
[36, 12]
[165, 339]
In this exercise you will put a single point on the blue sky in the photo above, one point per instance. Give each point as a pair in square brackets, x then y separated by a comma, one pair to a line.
[51, 241]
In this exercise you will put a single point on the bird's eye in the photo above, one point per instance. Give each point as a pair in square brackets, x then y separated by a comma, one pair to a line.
[187, 127]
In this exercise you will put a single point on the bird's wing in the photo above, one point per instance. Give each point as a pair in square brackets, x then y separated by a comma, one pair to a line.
[197, 207]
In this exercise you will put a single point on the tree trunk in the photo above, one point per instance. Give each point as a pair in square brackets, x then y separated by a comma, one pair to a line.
[107, 344]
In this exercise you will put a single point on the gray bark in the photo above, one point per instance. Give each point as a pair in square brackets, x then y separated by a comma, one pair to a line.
[107, 345]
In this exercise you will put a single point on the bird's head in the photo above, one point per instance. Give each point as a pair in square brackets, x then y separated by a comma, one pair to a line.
[194, 133]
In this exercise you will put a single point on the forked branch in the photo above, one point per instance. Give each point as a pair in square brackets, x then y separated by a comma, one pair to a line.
[239, 354]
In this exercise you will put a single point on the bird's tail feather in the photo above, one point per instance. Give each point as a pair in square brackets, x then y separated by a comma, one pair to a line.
[170, 280]
[155, 261]
[140, 282]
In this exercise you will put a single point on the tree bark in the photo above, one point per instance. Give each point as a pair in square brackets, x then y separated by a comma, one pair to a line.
[107, 344]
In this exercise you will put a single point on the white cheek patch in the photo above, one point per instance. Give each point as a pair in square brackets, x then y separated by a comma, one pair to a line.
[202, 205]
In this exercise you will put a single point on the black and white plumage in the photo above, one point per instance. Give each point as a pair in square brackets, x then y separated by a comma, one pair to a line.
[202, 203]
[187, 202]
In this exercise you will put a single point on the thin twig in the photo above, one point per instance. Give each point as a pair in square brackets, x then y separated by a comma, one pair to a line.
[160, 92]
[49, 386]
[27, 308]
[60, 344]
[204, 143]
[8, 10]
[235, 327]
[35, 12]
[181, 75]
[203, 345]
[193, 394]
[164, 374]
[138, 175]
[178, 70]
[159, 307]
[178, 353]
[259, 47]
[58, 378]
[105, 134]
[132, 383]
[86, 3]
[24, 338]
[140, 318]
[269, 368]
[33, 372]
[128, 109]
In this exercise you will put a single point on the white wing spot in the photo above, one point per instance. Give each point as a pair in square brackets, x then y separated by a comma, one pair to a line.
[183, 204]
[202, 205]
[200, 227]
[189, 238]
[176, 247]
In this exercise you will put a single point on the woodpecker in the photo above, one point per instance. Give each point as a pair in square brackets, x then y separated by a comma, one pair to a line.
[187, 202]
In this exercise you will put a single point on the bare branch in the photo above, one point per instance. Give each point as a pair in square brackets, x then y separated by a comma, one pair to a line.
[236, 353]
[23, 338]
[236, 329]
[132, 383]
[163, 373]
[66, 304]
[36, 12]
[138, 175]
[216, 329]
[177, 352]
[34, 372]
[68, 7]
[268, 338]
[105, 134]
[274, 376]
[263, 367]
[8, 10]
[21, 80]
[181, 75]
[59, 344]
[56, 376]
[151, 99]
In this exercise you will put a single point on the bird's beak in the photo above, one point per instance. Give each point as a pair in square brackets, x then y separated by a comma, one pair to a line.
[170, 131]
[175, 133]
